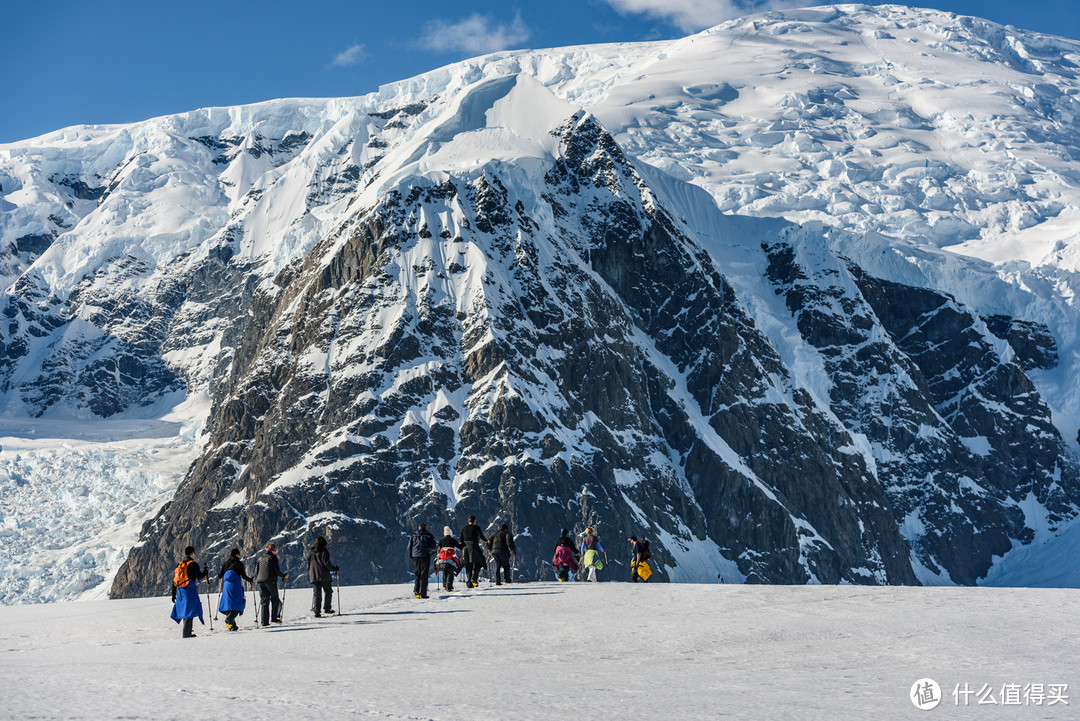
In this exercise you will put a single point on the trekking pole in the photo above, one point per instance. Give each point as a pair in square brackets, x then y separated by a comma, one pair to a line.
[340, 608]
[255, 602]
[281, 611]
[208, 603]
[218, 606]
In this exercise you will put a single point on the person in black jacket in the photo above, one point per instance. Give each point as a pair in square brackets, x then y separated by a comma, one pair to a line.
[637, 555]
[448, 561]
[472, 554]
[233, 563]
[319, 570]
[502, 546]
[421, 546]
[267, 573]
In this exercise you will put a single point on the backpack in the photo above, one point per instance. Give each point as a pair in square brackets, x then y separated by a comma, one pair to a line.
[645, 553]
[180, 575]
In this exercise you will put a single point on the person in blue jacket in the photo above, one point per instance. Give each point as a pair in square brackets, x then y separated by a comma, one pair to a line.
[233, 599]
[185, 592]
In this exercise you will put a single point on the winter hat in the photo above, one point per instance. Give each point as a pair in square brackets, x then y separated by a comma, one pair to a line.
[271, 547]
[446, 531]
[564, 532]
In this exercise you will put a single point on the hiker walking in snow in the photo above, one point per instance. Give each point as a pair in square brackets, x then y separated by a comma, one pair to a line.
[472, 553]
[566, 553]
[322, 583]
[502, 546]
[185, 592]
[421, 546]
[639, 560]
[591, 551]
[267, 573]
[447, 561]
[233, 598]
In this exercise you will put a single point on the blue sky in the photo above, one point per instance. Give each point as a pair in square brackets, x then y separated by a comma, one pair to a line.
[118, 61]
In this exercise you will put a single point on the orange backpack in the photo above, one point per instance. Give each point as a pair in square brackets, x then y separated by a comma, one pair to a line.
[180, 575]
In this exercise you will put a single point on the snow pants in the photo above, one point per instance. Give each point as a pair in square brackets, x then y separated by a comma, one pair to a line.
[448, 571]
[420, 566]
[502, 567]
[319, 590]
[474, 561]
[268, 597]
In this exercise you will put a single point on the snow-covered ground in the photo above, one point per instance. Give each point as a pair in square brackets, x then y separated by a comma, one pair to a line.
[555, 651]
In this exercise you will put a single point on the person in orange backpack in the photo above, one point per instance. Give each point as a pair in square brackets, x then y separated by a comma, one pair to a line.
[185, 592]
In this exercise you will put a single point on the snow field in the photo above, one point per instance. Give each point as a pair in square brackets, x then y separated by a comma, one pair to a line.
[547, 650]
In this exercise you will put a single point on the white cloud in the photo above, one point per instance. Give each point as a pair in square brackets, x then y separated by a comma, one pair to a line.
[354, 55]
[694, 15]
[475, 35]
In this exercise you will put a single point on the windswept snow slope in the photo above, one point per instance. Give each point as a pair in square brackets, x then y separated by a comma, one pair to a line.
[542, 651]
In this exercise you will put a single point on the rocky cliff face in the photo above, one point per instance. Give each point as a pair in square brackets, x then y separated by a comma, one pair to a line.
[582, 361]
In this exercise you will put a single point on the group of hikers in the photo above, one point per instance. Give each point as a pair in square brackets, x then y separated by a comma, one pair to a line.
[454, 555]
[568, 558]
[587, 560]
[185, 592]
[448, 562]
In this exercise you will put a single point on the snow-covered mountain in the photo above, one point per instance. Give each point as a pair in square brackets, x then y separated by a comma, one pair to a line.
[794, 297]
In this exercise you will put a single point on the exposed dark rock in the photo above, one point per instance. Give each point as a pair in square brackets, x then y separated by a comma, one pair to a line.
[1033, 343]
